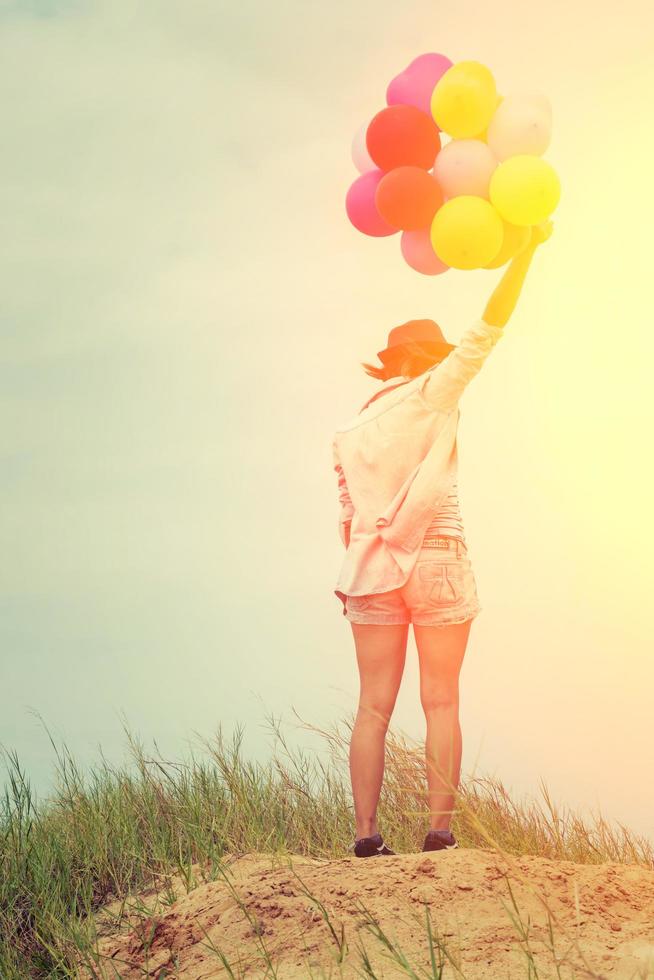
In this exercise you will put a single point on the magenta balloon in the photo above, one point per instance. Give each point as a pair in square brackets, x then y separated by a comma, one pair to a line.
[418, 252]
[414, 85]
[361, 208]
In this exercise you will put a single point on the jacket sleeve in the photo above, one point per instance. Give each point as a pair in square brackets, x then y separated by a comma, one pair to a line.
[446, 382]
[347, 508]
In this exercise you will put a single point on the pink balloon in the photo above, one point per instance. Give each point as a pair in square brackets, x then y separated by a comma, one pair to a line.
[418, 252]
[465, 166]
[362, 159]
[361, 208]
[414, 85]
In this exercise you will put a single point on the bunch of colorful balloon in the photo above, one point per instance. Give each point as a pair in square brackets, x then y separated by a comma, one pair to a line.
[467, 202]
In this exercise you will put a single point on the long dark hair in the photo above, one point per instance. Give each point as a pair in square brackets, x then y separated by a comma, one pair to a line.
[408, 360]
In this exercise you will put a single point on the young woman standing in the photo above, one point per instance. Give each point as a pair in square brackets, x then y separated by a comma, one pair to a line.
[406, 556]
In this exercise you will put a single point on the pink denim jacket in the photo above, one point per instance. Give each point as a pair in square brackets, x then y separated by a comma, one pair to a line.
[394, 462]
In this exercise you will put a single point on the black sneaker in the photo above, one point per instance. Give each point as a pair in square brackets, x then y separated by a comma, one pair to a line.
[370, 847]
[439, 840]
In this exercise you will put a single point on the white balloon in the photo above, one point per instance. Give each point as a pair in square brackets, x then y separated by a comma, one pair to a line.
[521, 124]
[540, 100]
[362, 159]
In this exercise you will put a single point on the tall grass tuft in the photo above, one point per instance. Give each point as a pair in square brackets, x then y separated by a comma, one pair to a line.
[115, 831]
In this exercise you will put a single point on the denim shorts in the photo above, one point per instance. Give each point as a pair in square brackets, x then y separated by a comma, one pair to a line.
[441, 590]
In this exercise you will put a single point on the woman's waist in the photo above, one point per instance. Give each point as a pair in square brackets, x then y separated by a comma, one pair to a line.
[444, 543]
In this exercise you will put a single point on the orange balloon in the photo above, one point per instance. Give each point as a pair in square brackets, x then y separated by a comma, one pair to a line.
[402, 135]
[408, 198]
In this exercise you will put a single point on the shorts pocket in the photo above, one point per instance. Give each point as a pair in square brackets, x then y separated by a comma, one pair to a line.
[442, 583]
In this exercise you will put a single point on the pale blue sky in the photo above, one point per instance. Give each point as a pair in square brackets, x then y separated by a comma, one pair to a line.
[184, 307]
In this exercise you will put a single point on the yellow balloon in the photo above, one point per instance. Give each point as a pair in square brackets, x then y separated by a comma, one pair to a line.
[464, 99]
[466, 232]
[516, 238]
[525, 189]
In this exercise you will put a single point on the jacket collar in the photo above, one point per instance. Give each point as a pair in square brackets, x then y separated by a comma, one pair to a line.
[375, 406]
[389, 385]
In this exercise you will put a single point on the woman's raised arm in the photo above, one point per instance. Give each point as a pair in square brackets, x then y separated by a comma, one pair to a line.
[445, 383]
[505, 296]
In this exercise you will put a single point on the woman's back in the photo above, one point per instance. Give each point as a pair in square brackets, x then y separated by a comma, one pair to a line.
[447, 522]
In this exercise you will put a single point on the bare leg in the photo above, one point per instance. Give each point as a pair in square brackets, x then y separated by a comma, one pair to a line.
[381, 653]
[440, 653]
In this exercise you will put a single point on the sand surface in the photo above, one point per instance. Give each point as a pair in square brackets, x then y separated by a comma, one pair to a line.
[602, 919]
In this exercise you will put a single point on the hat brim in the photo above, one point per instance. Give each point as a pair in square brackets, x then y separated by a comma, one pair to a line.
[436, 347]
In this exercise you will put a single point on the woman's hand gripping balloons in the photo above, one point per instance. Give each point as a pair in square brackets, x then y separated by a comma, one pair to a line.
[540, 233]
[454, 168]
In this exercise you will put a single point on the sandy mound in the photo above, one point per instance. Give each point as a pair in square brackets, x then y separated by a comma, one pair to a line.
[603, 919]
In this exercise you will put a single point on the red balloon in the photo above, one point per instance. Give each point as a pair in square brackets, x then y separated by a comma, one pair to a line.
[408, 198]
[402, 135]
